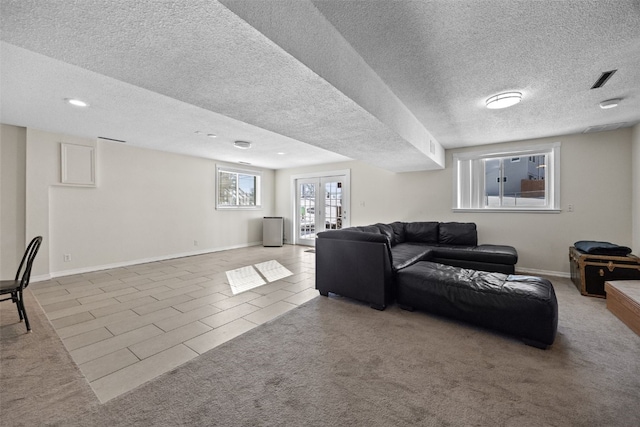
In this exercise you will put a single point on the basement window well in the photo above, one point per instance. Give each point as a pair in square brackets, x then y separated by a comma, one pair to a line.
[526, 180]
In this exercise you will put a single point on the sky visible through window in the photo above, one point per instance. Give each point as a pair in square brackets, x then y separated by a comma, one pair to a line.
[246, 183]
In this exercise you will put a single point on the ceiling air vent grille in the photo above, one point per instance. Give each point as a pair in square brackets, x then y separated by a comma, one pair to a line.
[604, 128]
[604, 77]
[112, 139]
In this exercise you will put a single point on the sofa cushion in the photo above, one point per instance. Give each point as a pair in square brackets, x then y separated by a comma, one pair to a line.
[387, 231]
[458, 233]
[406, 254]
[521, 305]
[398, 232]
[349, 229]
[369, 229]
[421, 232]
[495, 254]
[475, 265]
[353, 234]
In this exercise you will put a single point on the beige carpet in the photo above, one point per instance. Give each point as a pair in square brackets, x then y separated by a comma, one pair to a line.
[336, 362]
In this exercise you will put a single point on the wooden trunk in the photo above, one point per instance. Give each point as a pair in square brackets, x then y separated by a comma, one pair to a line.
[590, 272]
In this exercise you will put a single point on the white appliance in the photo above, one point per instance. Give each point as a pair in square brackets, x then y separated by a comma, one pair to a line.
[272, 231]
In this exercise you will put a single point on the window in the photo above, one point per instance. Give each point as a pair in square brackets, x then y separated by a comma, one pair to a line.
[499, 181]
[238, 189]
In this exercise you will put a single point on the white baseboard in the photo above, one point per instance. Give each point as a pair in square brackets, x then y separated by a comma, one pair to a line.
[535, 272]
[40, 278]
[91, 269]
[43, 277]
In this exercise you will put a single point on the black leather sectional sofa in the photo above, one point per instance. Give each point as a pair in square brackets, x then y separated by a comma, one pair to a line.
[361, 262]
[437, 267]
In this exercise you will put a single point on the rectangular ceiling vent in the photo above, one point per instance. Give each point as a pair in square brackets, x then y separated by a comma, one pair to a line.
[604, 77]
[604, 128]
[104, 138]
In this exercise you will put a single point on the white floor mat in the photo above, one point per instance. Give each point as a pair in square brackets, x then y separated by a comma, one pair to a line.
[244, 279]
[273, 270]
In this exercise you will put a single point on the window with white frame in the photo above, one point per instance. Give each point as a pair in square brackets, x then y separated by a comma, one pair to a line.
[238, 189]
[504, 181]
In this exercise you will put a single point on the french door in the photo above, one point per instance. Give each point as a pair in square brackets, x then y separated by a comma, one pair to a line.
[321, 204]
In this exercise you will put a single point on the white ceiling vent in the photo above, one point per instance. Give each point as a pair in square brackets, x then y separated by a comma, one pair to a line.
[604, 128]
[604, 77]
[104, 138]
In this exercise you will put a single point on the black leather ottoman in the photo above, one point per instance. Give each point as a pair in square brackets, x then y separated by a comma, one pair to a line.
[524, 306]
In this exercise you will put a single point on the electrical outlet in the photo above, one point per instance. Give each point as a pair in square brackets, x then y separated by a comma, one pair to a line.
[195, 243]
[569, 208]
[67, 257]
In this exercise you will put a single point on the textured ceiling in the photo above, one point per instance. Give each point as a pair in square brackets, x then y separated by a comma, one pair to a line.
[443, 59]
[34, 86]
[387, 82]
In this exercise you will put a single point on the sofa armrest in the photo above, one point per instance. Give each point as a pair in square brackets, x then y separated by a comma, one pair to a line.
[355, 268]
[354, 235]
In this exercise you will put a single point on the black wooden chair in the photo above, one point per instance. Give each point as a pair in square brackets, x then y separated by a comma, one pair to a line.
[16, 286]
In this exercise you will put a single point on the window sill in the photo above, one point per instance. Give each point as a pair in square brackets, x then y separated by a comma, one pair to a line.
[238, 208]
[510, 210]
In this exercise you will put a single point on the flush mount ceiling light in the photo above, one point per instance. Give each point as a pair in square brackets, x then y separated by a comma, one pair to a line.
[503, 100]
[242, 145]
[610, 103]
[76, 102]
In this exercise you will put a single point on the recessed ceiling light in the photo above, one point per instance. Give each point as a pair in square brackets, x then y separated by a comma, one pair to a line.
[281, 153]
[242, 144]
[610, 103]
[212, 135]
[76, 102]
[503, 100]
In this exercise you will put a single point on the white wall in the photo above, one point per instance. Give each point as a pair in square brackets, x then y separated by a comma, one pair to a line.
[147, 205]
[152, 204]
[636, 188]
[595, 178]
[12, 198]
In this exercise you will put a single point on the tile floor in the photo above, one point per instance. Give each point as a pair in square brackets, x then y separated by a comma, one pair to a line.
[125, 326]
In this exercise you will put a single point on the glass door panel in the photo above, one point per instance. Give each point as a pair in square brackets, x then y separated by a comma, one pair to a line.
[306, 201]
[320, 206]
[332, 204]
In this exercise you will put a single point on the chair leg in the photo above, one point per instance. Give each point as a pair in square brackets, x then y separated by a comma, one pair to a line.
[24, 313]
[14, 298]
